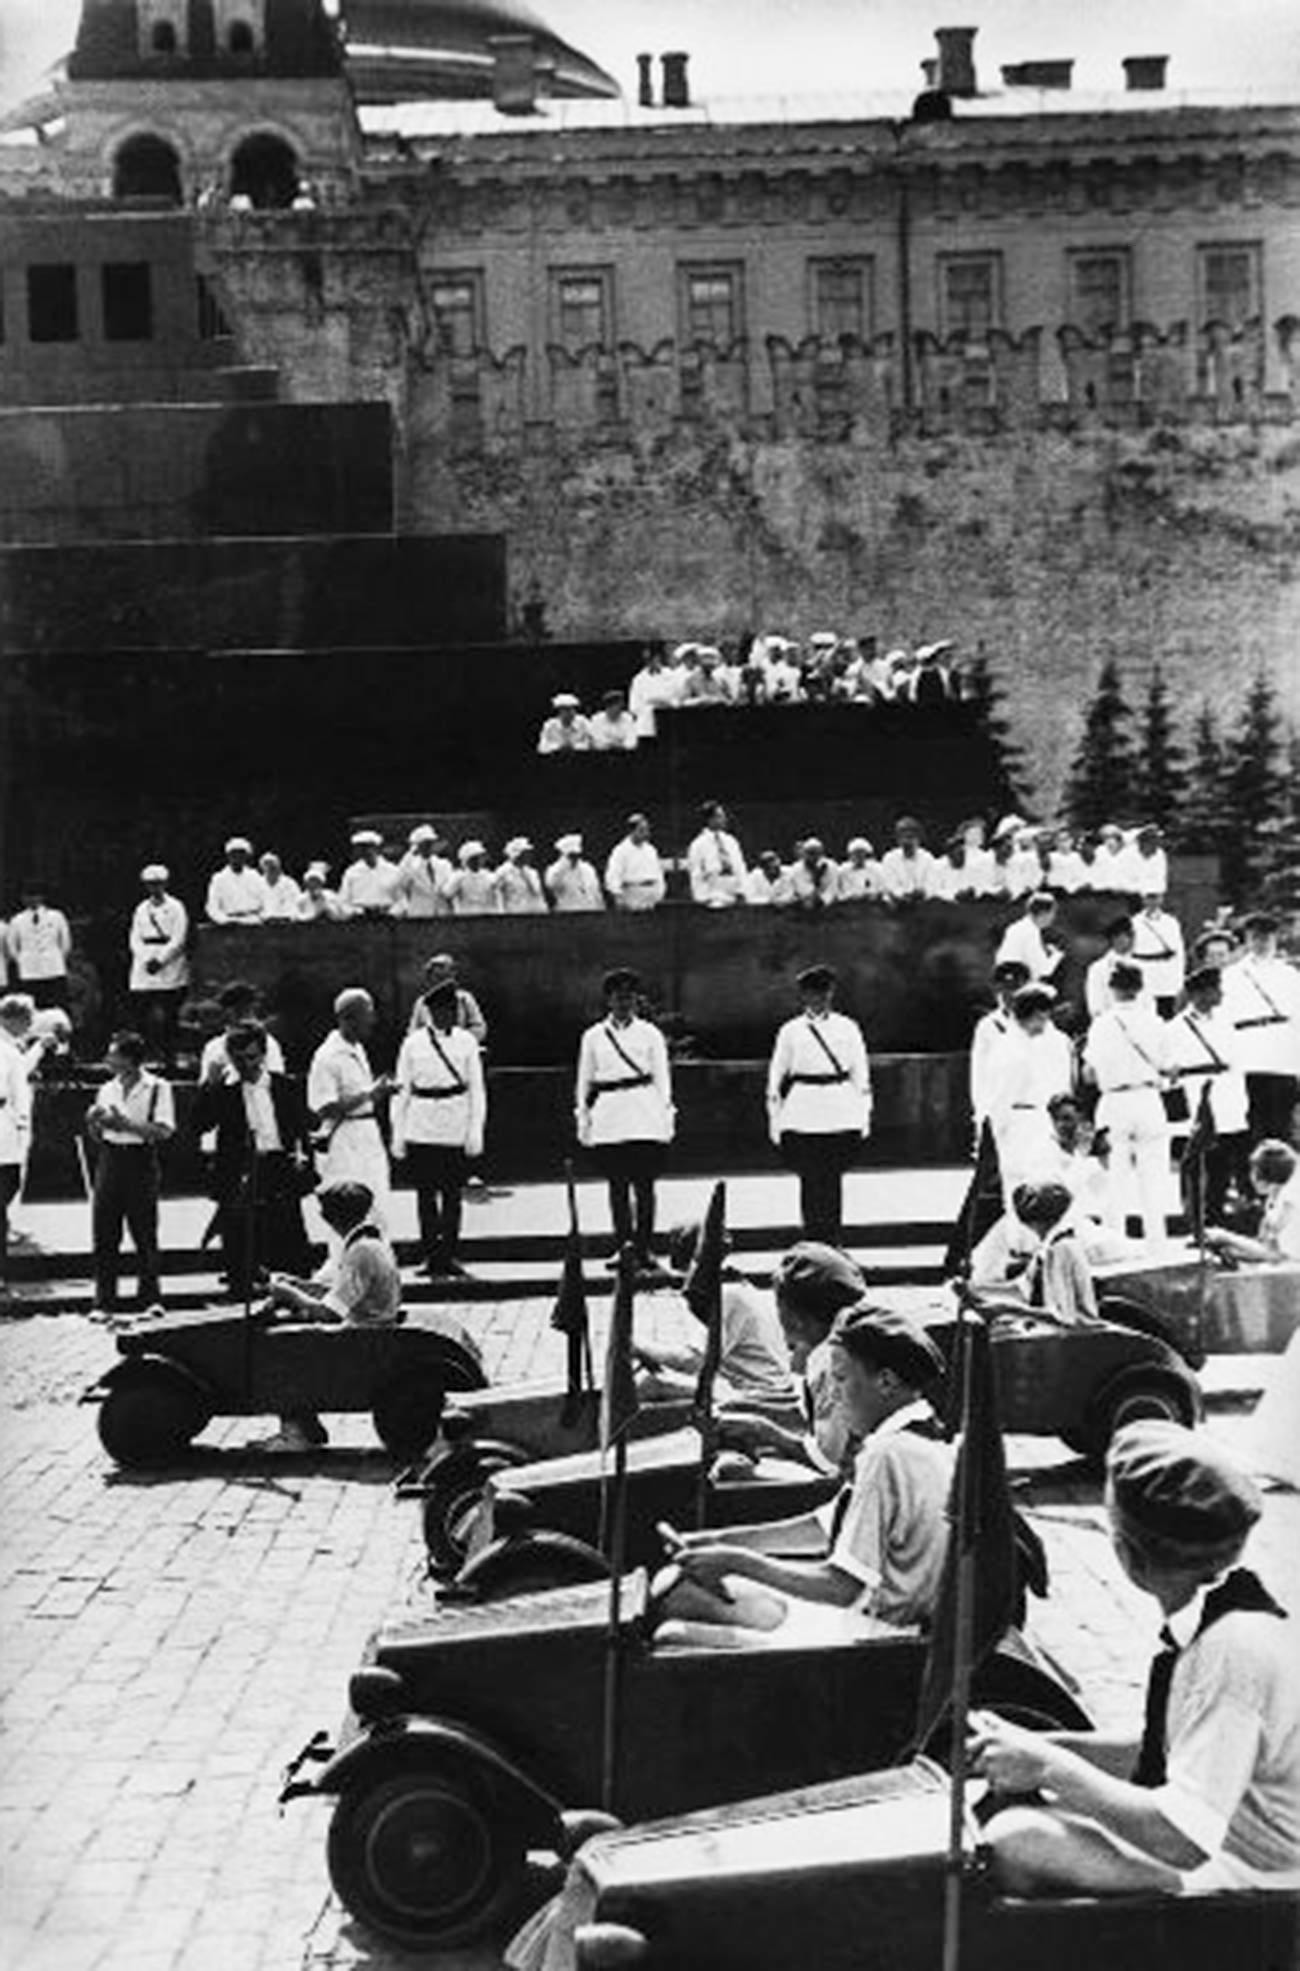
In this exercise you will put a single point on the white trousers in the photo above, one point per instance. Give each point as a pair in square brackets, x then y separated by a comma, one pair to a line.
[1138, 1176]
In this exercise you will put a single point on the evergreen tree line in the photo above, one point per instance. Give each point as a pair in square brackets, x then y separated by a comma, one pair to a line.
[1229, 788]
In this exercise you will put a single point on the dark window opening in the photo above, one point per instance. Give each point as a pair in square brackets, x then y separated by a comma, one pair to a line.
[147, 167]
[163, 39]
[240, 39]
[264, 170]
[52, 304]
[128, 301]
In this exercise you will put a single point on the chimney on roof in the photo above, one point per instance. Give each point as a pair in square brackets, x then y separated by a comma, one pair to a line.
[514, 73]
[956, 70]
[1038, 75]
[930, 71]
[645, 81]
[677, 89]
[1145, 71]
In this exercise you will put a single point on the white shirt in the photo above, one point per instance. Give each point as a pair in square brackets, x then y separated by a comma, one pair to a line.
[368, 887]
[574, 885]
[320, 903]
[648, 692]
[339, 1069]
[893, 1535]
[39, 942]
[1112, 869]
[1150, 872]
[158, 933]
[991, 1031]
[259, 1113]
[1127, 1049]
[855, 881]
[1066, 870]
[716, 868]
[915, 875]
[634, 875]
[474, 893]
[613, 735]
[217, 1050]
[1097, 995]
[813, 886]
[519, 886]
[15, 1103]
[1024, 942]
[1263, 997]
[236, 896]
[149, 1099]
[1158, 949]
[1206, 1050]
[421, 885]
[1027, 1071]
[639, 1113]
[761, 888]
[556, 737]
[428, 1107]
[282, 900]
[803, 1095]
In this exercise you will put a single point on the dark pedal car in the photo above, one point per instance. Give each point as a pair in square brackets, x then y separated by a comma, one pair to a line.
[1215, 1307]
[176, 1373]
[473, 1731]
[1078, 1384]
[493, 1430]
[850, 1877]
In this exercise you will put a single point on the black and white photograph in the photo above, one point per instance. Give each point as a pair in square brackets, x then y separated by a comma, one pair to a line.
[649, 985]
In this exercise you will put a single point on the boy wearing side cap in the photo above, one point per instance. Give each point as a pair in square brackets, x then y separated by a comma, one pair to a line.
[812, 1284]
[1213, 1801]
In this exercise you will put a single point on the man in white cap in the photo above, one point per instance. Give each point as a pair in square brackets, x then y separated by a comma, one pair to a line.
[814, 878]
[369, 886]
[624, 1112]
[931, 681]
[282, 893]
[634, 873]
[857, 875]
[423, 875]
[472, 891]
[38, 943]
[343, 1093]
[318, 900]
[236, 893]
[613, 728]
[519, 881]
[819, 1101]
[1025, 938]
[1262, 995]
[714, 861]
[566, 731]
[1160, 951]
[160, 970]
[438, 1115]
[571, 881]
[655, 686]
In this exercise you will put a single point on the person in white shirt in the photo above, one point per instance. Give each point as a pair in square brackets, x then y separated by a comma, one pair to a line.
[1263, 993]
[282, 894]
[707, 682]
[473, 891]
[1205, 1053]
[38, 942]
[1127, 1057]
[1033, 1063]
[519, 881]
[566, 731]
[624, 1112]
[654, 687]
[1065, 868]
[768, 883]
[775, 657]
[441, 970]
[343, 1094]
[908, 872]
[1275, 1179]
[1149, 860]
[240, 1003]
[613, 728]
[819, 1101]
[814, 878]
[422, 875]
[714, 861]
[991, 1031]
[1097, 995]
[1112, 861]
[1025, 939]
[15, 1138]
[858, 872]
[256, 1119]
[131, 1116]
[1010, 875]
[571, 881]
[754, 1370]
[1079, 1161]
[634, 873]
[318, 901]
[370, 883]
[1158, 948]
[236, 892]
[439, 1114]
[160, 970]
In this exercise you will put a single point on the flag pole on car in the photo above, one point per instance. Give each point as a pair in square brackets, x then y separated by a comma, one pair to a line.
[569, 1315]
[619, 1406]
[702, 1291]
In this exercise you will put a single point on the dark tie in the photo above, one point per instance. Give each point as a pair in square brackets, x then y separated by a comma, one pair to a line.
[1037, 1279]
[1241, 1590]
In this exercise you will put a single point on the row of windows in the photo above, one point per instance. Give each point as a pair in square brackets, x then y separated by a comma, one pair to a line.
[53, 301]
[841, 298]
[164, 27]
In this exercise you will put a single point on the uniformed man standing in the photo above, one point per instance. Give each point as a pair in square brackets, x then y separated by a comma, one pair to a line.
[160, 970]
[714, 861]
[439, 1112]
[991, 1030]
[342, 1093]
[819, 1101]
[1034, 1063]
[1262, 992]
[1127, 1057]
[38, 944]
[623, 1105]
[1159, 949]
[1205, 1051]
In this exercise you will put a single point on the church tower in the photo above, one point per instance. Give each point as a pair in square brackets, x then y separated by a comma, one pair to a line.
[185, 101]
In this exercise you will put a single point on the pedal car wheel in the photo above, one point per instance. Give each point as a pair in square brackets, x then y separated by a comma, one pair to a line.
[425, 1856]
[1129, 1398]
[150, 1418]
[407, 1413]
[450, 1507]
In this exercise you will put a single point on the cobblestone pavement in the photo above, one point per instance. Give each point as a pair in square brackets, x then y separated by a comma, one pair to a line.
[169, 1643]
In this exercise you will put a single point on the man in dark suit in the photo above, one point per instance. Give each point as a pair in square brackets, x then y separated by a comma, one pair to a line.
[263, 1154]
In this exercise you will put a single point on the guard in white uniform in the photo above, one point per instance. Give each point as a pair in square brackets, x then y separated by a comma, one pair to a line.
[571, 881]
[1159, 949]
[38, 942]
[624, 1113]
[1127, 1056]
[439, 1113]
[1205, 1053]
[343, 1093]
[423, 875]
[370, 886]
[519, 881]
[714, 861]
[991, 1030]
[236, 893]
[1263, 994]
[1097, 995]
[819, 1101]
[1032, 1064]
[634, 874]
[160, 970]
[1024, 939]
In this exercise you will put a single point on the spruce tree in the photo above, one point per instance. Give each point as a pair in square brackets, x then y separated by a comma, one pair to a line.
[1258, 789]
[987, 694]
[1160, 781]
[1281, 842]
[1102, 782]
[1204, 819]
